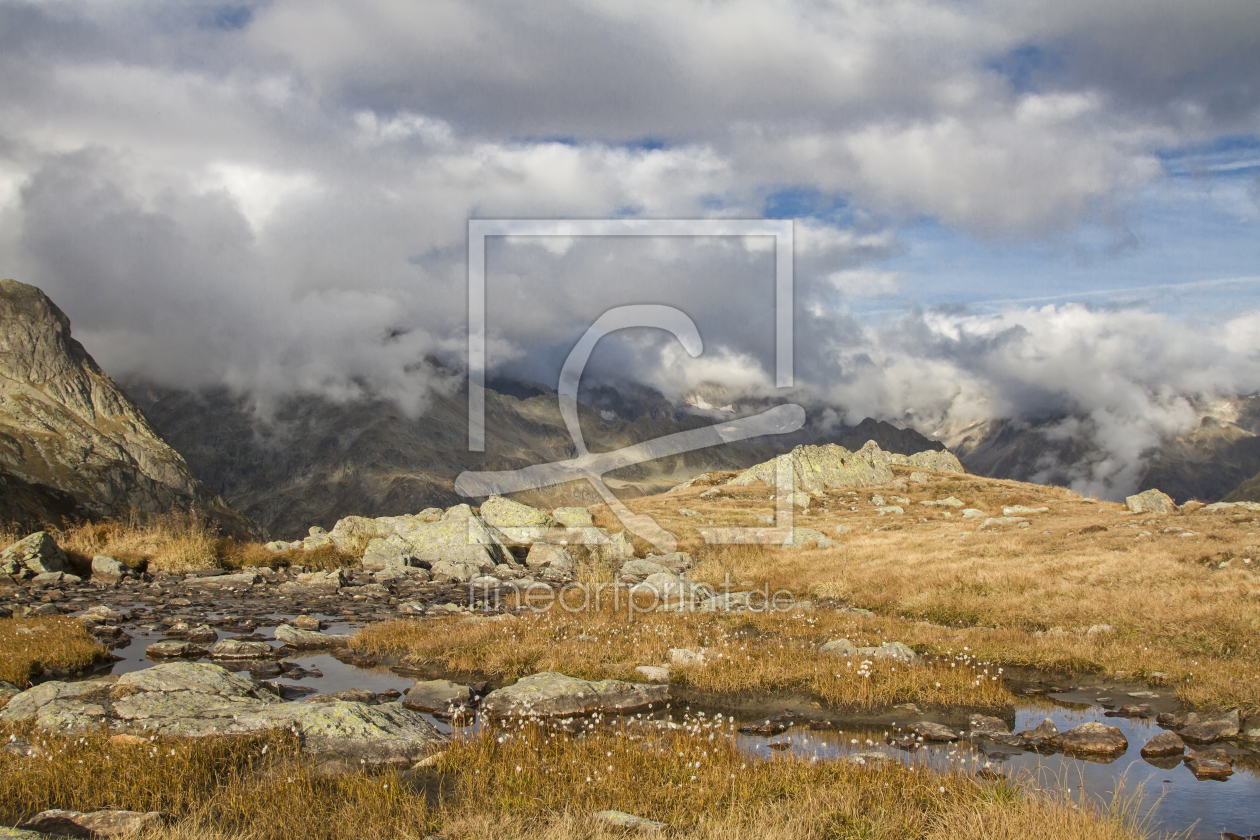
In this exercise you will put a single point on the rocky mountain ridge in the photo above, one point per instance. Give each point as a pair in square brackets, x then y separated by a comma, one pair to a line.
[315, 461]
[72, 444]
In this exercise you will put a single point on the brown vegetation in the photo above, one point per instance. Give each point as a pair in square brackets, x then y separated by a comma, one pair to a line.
[181, 542]
[525, 783]
[29, 645]
[1186, 609]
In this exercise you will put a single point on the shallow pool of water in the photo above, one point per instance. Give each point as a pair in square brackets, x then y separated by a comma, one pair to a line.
[1174, 799]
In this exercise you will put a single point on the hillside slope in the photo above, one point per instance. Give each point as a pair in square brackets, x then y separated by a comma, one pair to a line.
[72, 444]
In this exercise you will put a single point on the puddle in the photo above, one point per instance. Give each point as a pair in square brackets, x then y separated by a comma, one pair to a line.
[1173, 797]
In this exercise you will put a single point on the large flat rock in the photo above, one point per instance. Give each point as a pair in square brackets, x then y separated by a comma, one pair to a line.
[557, 695]
[199, 700]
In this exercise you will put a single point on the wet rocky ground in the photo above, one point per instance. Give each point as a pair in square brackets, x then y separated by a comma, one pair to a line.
[283, 630]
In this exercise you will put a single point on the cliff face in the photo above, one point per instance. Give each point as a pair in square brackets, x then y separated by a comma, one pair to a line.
[72, 444]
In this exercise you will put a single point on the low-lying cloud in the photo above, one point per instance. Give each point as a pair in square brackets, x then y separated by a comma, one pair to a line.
[274, 196]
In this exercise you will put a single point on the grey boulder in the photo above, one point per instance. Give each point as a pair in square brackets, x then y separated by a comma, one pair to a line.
[551, 694]
[38, 553]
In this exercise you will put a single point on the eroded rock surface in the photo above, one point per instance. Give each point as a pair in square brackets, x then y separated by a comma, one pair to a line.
[197, 700]
[552, 694]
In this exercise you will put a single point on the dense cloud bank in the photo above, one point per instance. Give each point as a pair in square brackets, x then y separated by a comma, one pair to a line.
[274, 196]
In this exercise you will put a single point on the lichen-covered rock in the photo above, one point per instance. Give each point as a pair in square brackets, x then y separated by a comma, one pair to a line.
[637, 571]
[93, 823]
[309, 639]
[240, 580]
[1151, 501]
[555, 695]
[573, 517]
[38, 553]
[60, 706]
[518, 524]
[1205, 732]
[108, 570]
[174, 649]
[438, 697]
[812, 469]
[1163, 745]
[551, 561]
[839, 647]
[196, 700]
[1091, 738]
[460, 537]
[237, 649]
[387, 552]
[807, 537]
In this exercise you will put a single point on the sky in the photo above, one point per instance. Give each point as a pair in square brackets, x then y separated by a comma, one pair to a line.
[1002, 210]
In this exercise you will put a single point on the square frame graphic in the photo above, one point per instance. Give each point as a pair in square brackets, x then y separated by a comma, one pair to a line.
[782, 532]
[479, 229]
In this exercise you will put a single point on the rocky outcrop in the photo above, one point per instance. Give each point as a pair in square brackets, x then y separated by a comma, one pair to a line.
[1151, 501]
[196, 700]
[557, 695]
[72, 444]
[34, 555]
[94, 824]
[813, 469]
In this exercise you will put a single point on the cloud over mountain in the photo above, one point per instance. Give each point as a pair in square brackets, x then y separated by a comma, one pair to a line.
[274, 196]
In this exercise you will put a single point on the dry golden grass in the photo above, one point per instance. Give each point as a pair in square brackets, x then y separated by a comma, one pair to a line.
[749, 654]
[1176, 611]
[27, 645]
[527, 783]
[181, 542]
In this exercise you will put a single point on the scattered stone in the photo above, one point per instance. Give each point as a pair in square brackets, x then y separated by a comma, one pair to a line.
[637, 571]
[94, 823]
[770, 726]
[1210, 764]
[551, 694]
[350, 695]
[995, 521]
[38, 553]
[929, 731]
[1091, 739]
[108, 570]
[985, 724]
[918, 477]
[1226, 726]
[438, 697]
[684, 657]
[1040, 736]
[236, 581]
[518, 524]
[307, 639]
[1142, 710]
[1163, 745]
[621, 819]
[174, 650]
[306, 622]
[573, 517]
[654, 673]
[551, 561]
[973, 513]
[839, 647]
[1021, 510]
[805, 537]
[1151, 501]
[237, 649]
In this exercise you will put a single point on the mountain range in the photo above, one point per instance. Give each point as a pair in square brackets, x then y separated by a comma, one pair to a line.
[74, 444]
